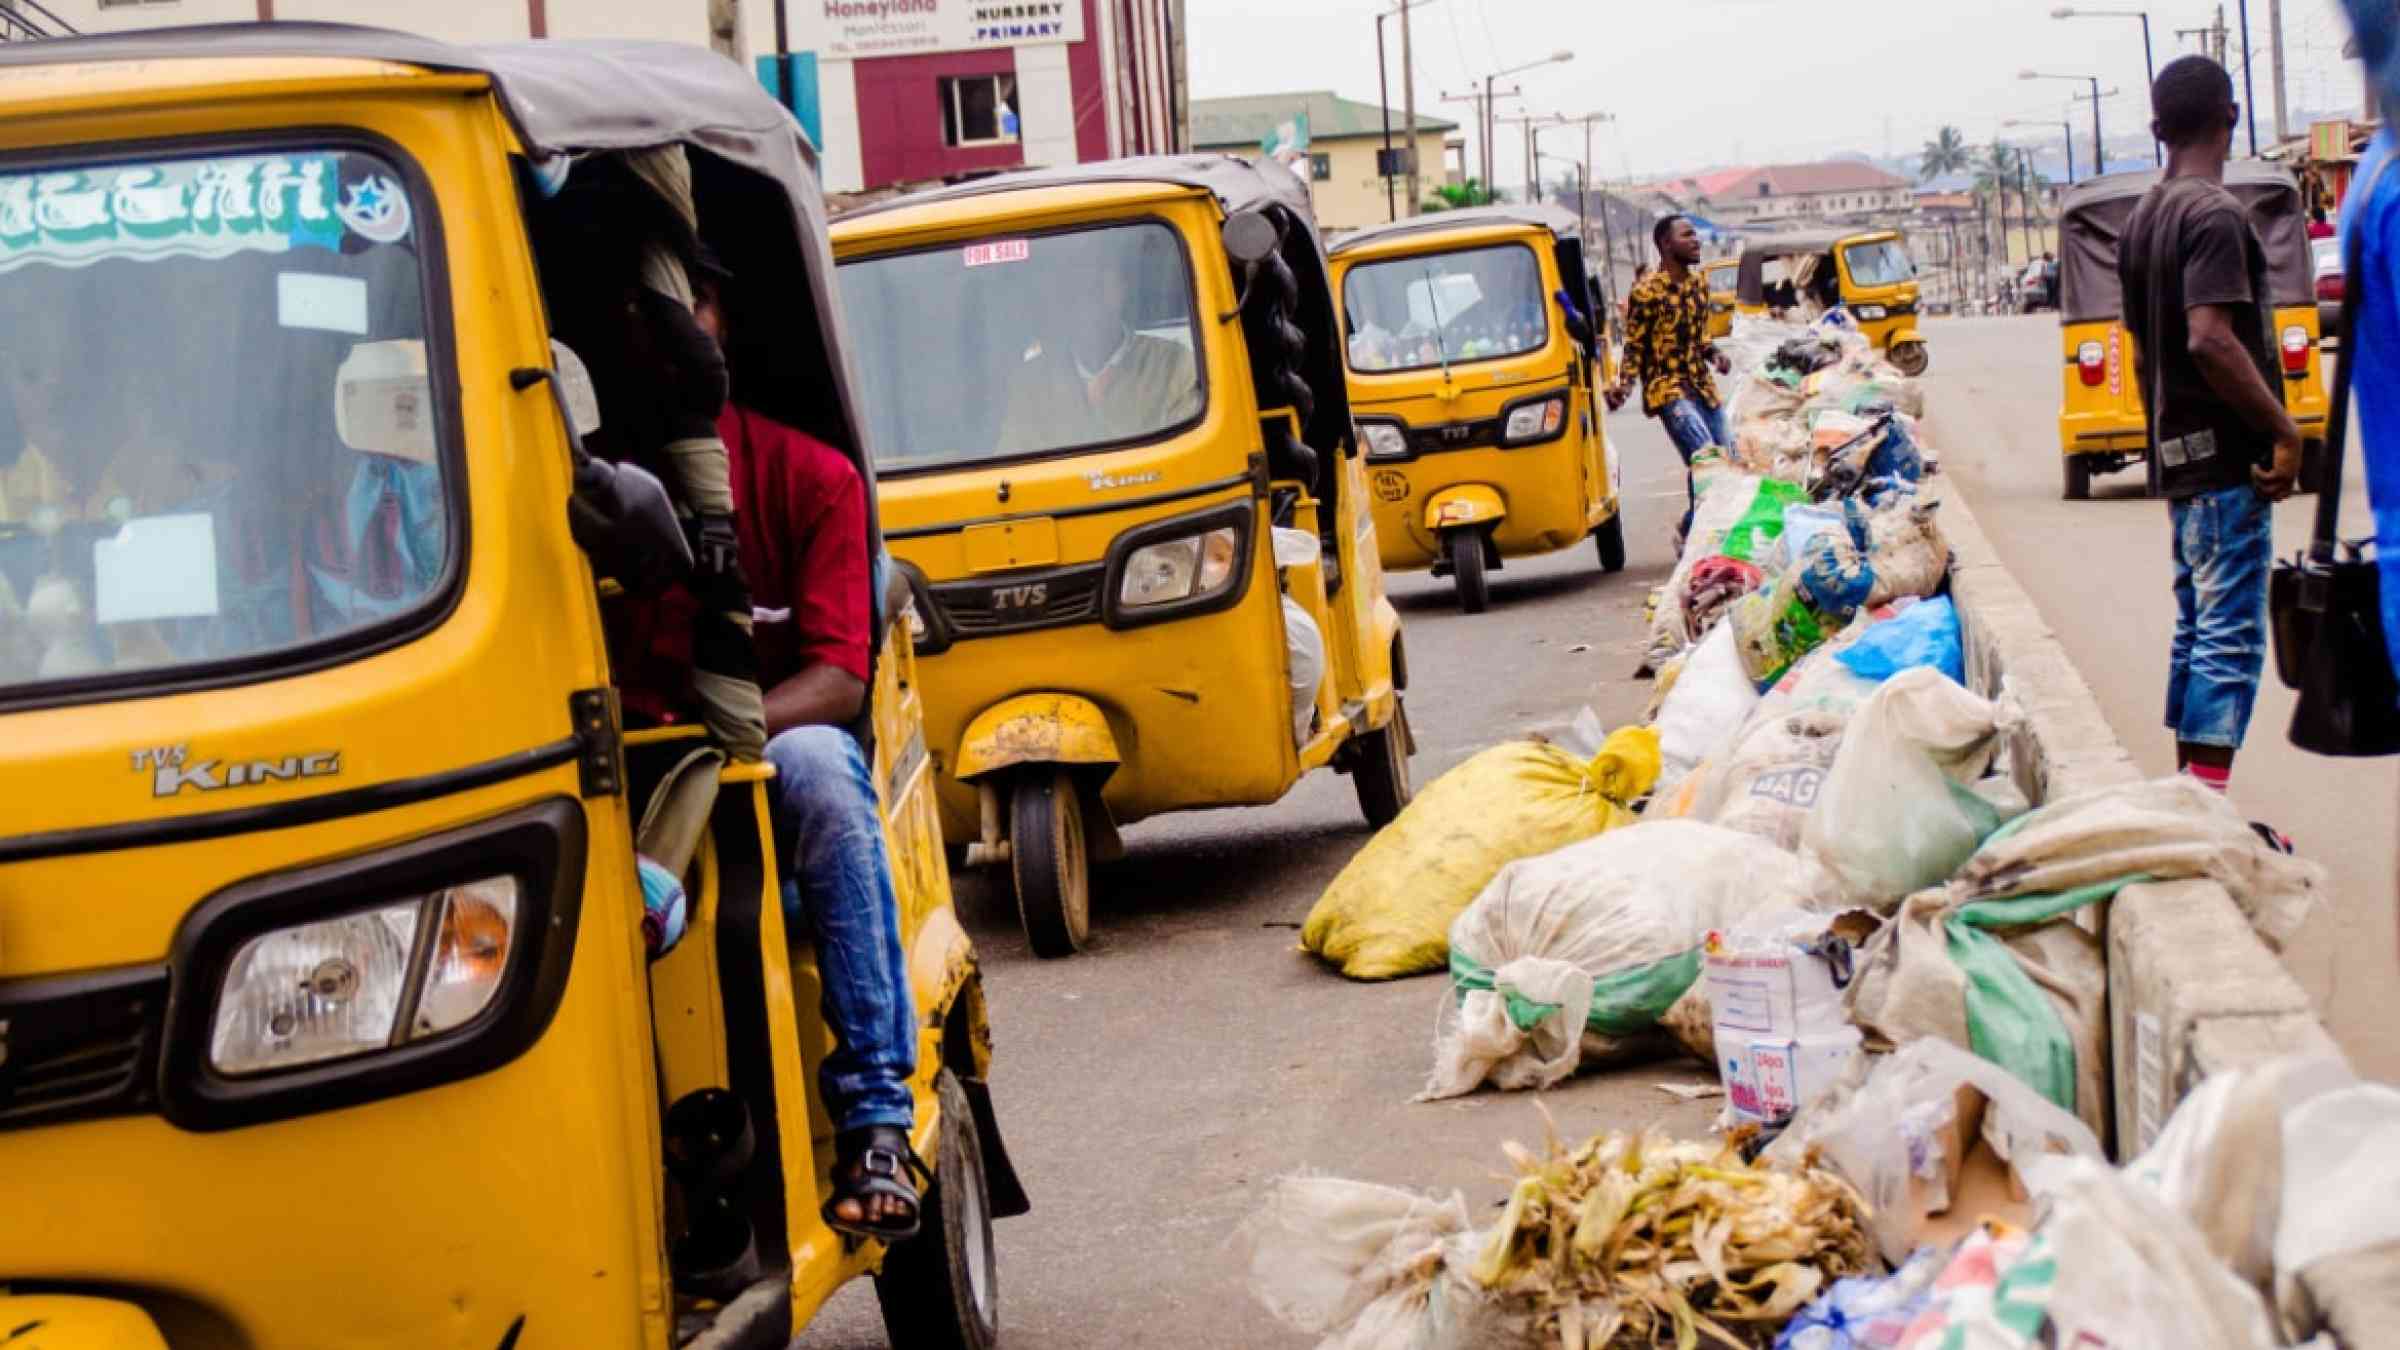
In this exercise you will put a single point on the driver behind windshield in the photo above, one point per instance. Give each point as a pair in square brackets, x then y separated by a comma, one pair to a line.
[1095, 379]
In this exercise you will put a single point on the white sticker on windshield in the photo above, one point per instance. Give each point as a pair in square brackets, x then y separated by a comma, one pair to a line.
[327, 304]
[998, 251]
[157, 567]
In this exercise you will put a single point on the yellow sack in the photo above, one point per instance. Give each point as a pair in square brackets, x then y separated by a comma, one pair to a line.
[1388, 914]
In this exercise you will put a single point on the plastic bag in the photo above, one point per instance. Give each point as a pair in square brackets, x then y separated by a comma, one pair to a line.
[2337, 1247]
[1834, 578]
[2114, 1265]
[1774, 628]
[2227, 1160]
[1866, 1312]
[1304, 650]
[2167, 829]
[1926, 635]
[1711, 699]
[1388, 912]
[1897, 813]
[1895, 1127]
[2016, 981]
[1583, 953]
[1803, 522]
[1905, 547]
[1726, 497]
[1768, 781]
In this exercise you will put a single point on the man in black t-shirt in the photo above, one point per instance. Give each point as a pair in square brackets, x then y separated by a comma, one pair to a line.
[2223, 448]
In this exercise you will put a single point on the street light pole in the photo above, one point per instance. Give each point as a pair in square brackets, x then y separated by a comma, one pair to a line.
[1554, 58]
[2099, 149]
[2149, 59]
[2066, 131]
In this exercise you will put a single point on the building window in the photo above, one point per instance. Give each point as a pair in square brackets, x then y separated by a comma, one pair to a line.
[1320, 167]
[979, 110]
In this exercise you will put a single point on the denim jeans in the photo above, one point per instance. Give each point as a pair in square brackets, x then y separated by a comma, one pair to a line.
[839, 883]
[1693, 425]
[2224, 547]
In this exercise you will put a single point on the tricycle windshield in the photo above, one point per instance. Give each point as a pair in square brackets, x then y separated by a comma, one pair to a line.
[220, 441]
[219, 433]
[1024, 345]
[1884, 263]
[1434, 309]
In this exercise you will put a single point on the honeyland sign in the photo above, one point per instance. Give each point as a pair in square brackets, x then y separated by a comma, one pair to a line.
[841, 29]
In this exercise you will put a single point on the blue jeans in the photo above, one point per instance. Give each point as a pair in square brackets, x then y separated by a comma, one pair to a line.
[839, 883]
[1693, 425]
[2224, 547]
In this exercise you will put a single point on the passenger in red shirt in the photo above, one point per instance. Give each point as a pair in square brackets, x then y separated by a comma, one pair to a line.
[801, 519]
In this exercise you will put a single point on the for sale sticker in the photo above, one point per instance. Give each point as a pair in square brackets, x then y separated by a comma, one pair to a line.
[998, 251]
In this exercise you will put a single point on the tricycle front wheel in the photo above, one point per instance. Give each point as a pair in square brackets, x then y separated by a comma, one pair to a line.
[1048, 862]
[1466, 569]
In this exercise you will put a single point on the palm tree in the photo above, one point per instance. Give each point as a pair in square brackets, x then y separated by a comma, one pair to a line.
[1946, 153]
[1996, 169]
[1451, 196]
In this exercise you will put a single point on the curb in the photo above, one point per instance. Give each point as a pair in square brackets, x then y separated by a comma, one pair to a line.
[2192, 990]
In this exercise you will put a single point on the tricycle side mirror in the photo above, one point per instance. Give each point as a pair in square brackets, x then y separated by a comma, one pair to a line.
[1251, 237]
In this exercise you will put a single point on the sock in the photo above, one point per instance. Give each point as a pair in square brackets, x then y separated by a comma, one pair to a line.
[2216, 776]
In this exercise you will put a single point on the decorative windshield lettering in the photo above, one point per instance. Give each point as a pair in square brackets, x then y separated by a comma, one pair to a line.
[198, 208]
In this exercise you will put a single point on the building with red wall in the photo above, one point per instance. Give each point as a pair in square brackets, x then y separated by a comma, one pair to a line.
[904, 91]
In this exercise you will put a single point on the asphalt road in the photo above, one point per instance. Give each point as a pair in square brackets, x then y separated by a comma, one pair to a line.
[2101, 572]
[1152, 1085]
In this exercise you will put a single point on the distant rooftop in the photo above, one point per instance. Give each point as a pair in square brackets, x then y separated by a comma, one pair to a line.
[1236, 123]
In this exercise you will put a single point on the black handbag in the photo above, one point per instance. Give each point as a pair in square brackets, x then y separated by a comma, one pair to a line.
[2325, 606]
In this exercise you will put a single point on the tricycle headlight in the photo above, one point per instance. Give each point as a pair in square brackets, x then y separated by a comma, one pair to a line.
[339, 987]
[1871, 311]
[1384, 441]
[1534, 420]
[1190, 568]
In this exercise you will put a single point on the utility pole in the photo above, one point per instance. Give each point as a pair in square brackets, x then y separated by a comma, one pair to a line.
[1408, 109]
[1391, 208]
[2283, 128]
[2249, 93]
[1481, 102]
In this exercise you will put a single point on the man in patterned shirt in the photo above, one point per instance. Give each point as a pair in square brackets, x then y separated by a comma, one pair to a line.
[1667, 349]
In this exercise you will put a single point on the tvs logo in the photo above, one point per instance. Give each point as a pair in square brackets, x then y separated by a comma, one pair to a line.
[1021, 599]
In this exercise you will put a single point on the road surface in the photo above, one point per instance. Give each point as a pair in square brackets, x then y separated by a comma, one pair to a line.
[1152, 1085]
[2101, 571]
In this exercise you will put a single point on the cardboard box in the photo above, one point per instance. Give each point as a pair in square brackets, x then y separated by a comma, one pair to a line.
[1767, 1081]
[1987, 1188]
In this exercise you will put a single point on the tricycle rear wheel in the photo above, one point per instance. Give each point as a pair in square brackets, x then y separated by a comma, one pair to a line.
[1048, 862]
[1610, 540]
[1466, 569]
[1910, 358]
[940, 1289]
[2078, 487]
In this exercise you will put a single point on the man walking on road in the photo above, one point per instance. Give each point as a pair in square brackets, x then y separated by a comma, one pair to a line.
[1667, 349]
[2224, 448]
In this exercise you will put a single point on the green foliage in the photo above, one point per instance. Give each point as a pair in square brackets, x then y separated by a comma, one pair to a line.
[1946, 153]
[1452, 196]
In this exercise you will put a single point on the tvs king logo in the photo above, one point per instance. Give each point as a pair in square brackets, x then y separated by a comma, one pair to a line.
[173, 769]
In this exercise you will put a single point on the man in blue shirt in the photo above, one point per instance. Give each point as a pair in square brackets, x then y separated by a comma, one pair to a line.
[2371, 245]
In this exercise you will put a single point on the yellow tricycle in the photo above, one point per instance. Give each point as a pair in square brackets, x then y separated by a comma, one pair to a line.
[1120, 474]
[1723, 279]
[1867, 272]
[332, 1011]
[1473, 377]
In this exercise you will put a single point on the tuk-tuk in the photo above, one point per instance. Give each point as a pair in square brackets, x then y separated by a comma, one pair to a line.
[2102, 425]
[1473, 389]
[1721, 276]
[1869, 272]
[327, 1012]
[1119, 472]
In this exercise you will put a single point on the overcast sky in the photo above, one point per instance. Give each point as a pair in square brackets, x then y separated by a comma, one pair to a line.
[1701, 83]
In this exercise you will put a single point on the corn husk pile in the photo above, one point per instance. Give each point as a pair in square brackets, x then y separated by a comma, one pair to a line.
[1637, 1240]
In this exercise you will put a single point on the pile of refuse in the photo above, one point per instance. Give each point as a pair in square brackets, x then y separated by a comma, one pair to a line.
[1814, 869]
